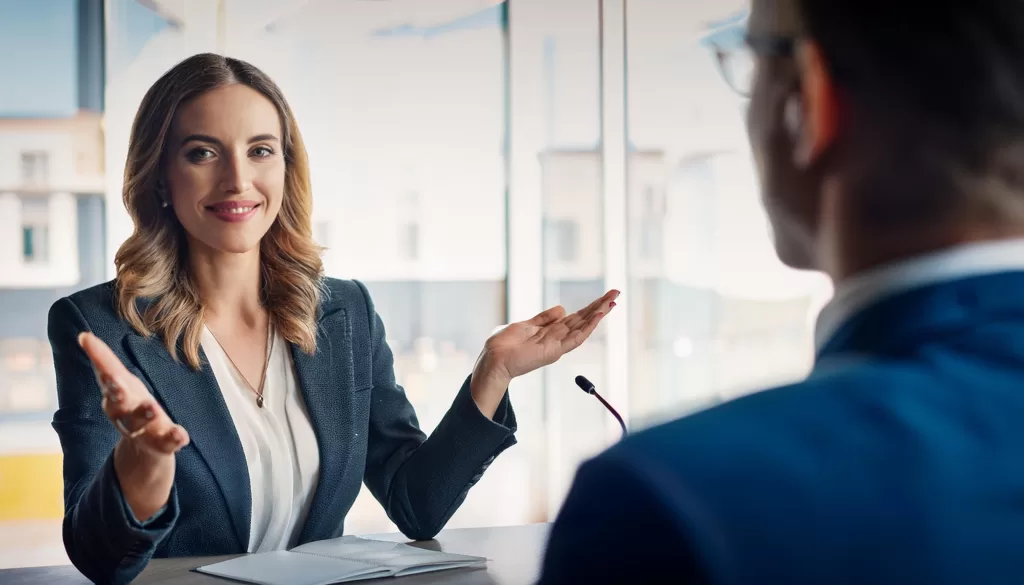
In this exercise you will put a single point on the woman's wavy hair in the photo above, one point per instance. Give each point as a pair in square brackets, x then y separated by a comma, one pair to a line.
[152, 264]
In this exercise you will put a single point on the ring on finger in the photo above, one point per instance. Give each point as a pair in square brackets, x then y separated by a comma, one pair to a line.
[121, 428]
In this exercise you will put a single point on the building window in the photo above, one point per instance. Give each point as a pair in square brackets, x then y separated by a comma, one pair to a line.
[565, 239]
[409, 241]
[652, 224]
[322, 233]
[26, 374]
[35, 168]
[409, 200]
[651, 238]
[35, 230]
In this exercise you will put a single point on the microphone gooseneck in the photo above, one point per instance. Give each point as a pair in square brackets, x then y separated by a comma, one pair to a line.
[588, 387]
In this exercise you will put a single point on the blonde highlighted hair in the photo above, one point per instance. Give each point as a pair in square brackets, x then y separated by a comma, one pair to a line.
[152, 264]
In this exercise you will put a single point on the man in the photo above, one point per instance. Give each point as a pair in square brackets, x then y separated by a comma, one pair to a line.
[889, 138]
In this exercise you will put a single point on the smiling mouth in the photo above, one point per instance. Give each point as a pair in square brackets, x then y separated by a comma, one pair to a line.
[233, 209]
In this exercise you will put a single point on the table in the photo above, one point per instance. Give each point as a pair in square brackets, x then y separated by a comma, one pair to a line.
[514, 555]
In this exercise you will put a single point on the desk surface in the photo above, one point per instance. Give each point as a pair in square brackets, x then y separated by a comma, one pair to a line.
[514, 555]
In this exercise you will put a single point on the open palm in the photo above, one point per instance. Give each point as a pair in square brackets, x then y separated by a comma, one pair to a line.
[525, 346]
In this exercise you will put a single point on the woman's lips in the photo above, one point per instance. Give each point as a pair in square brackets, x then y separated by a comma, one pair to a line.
[233, 211]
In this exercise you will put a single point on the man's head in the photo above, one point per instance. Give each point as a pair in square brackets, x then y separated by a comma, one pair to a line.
[886, 119]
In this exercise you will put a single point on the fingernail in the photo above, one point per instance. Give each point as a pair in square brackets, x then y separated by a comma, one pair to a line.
[81, 339]
[611, 305]
[149, 413]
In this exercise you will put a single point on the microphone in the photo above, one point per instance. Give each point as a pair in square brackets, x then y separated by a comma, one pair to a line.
[588, 387]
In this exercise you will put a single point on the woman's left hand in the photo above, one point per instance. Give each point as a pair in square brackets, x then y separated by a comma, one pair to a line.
[522, 347]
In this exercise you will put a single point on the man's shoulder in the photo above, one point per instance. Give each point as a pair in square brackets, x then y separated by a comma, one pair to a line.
[778, 433]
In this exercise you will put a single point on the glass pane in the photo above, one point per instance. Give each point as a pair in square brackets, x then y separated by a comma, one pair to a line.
[35, 168]
[27, 241]
[715, 314]
[49, 136]
[565, 59]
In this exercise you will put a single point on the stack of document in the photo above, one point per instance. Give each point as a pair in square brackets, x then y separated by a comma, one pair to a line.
[339, 560]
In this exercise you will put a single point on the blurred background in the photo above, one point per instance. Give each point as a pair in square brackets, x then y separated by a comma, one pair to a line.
[502, 156]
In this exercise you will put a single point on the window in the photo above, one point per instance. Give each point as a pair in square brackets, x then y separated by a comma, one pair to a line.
[322, 233]
[409, 241]
[564, 240]
[35, 168]
[654, 201]
[652, 222]
[26, 367]
[409, 201]
[559, 84]
[35, 230]
[41, 236]
[651, 238]
[720, 316]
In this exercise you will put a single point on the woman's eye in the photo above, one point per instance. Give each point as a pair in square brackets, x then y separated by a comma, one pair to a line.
[200, 154]
[262, 151]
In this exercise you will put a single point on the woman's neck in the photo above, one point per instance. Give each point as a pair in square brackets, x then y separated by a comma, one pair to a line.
[229, 286]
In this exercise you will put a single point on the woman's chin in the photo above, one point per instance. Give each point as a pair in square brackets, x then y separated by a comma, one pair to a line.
[236, 244]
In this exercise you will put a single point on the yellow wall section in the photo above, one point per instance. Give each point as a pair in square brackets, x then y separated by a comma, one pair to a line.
[31, 487]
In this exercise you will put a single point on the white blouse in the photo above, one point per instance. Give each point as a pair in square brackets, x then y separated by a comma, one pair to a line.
[278, 441]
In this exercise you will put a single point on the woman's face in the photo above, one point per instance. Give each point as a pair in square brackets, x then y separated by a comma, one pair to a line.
[225, 169]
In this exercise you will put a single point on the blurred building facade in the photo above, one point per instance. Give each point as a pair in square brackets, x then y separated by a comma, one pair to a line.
[51, 184]
[51, 239]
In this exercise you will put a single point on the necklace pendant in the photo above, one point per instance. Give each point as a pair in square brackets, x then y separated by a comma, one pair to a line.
[259, 401]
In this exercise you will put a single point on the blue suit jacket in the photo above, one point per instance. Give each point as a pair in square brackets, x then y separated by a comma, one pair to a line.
[899, 460]
[365, 428]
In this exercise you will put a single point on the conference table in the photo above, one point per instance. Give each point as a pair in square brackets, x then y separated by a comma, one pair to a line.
[513, 553]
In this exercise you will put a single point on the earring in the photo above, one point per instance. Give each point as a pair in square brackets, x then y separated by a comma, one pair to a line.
[165, 204]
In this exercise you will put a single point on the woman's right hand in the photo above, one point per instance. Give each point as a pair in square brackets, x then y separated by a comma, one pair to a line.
[144, 457]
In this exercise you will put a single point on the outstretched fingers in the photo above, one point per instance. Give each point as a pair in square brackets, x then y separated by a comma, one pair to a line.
[576, 337]
[549, 316]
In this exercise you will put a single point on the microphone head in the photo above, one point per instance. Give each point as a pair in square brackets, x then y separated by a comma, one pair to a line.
[585, 385]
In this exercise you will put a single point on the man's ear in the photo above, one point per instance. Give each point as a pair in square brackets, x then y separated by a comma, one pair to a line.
[817, 108]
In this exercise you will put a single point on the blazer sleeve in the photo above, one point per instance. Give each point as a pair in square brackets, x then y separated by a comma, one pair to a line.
[615, 527]
[103, 539]
[422, 481]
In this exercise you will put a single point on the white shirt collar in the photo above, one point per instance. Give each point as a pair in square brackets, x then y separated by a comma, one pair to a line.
[856, 293]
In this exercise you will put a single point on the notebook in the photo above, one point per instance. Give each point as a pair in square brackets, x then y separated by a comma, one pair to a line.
[339, 560]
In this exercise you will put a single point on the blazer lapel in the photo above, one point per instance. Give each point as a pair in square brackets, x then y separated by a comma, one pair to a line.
[327, 382]
[193, 400]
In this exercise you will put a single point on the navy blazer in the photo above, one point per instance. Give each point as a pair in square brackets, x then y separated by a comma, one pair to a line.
[899, 460]
[365, 427]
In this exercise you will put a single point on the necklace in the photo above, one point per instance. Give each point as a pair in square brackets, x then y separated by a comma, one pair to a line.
[266, 363]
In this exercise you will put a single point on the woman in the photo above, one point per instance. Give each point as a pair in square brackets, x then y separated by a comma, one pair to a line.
[220, 395]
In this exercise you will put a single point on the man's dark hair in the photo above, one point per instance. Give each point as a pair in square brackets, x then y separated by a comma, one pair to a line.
[936, 88]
